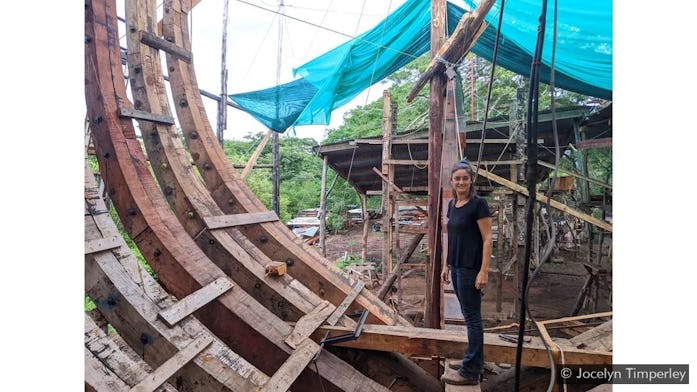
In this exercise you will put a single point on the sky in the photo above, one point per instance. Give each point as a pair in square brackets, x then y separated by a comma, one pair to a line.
[43, 113]
[253, 45]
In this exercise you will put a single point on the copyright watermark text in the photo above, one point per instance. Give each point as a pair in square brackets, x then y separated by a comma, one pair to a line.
[624, 374]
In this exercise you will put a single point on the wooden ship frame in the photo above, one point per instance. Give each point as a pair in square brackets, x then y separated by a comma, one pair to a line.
[238, 303]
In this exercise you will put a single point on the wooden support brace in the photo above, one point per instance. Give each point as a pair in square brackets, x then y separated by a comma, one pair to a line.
[253, 159]
[543, 199]
[345, 303]
[385, 179]
[167, 370]
[225, 221]
[162, 44]
[141, 115]
[101, 244]
[308, 324]
[195, 300]
[407, 162]
[292, 367]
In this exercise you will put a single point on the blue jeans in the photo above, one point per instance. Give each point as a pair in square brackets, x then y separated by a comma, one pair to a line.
[471, 304]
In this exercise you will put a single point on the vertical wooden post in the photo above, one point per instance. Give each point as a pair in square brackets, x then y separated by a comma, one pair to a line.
[499, 255]
[323, 209]
[274, 174]
[387, 194]
[435, 146]
[222, 104]
[366, 226]
[514, 244]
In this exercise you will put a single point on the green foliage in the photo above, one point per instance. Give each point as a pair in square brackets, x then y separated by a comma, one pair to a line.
[300, 173]
[335, 222]
[352, 260]
[89, 304]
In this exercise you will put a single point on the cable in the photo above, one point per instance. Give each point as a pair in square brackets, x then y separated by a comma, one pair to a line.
[328, 29]
[531, 126]
[321, 22]
[377, 54]
[489, 88]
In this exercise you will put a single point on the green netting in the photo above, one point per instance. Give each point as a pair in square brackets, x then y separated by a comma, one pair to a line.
[583, 59]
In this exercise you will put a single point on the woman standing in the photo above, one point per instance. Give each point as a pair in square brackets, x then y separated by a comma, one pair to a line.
[467, 264]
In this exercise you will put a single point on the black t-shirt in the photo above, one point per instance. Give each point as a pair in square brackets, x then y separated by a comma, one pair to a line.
[464, 238]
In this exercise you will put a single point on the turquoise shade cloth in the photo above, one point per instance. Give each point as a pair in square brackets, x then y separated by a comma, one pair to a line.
[583, 62]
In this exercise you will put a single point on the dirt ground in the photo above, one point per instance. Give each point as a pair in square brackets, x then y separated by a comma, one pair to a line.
[552, 294]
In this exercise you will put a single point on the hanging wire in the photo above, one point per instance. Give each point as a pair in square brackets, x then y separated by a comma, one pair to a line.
[489, 88]
[321, 23]
[377, 54]
[531, 126]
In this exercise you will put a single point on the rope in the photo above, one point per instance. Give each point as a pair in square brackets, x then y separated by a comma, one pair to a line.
[377, 54]
[489, 88]
[321, 22]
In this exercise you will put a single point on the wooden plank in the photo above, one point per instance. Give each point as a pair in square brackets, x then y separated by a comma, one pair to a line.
[543, 199]
[253, 159]
[102, 244]
[387, 180]
[345, 303]
[292, 367]
[379, 141]
[167, 370]
[468, 29]
[598, 338]
[309, 323]
[427, 342]
[413, 202]
[147, 116]
[407, 162]
[195, 300]
[594, 143]
[162, 44]
[577, 175]
[225, 221]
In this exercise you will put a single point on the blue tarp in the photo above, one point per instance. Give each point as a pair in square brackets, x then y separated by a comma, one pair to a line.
[583, 60]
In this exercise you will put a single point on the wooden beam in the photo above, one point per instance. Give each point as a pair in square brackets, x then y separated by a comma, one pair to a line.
[594, 143]
[389, 280]
[101, 244]
[257, 166]
[195, 300]
[309, 323]
[413, 202]
[162, 44]
[255, 155]
[407, 162]
[147, 116]
[394, 141]
[386, 180]
[169, 368]
[292, 367]
[225, 221]
[427, 342]
[323, 208]
[468, 29]
[577, 175]
[543, 199]
[345, 304]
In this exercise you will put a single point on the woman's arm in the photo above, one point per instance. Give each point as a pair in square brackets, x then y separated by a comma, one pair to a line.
[483, 275]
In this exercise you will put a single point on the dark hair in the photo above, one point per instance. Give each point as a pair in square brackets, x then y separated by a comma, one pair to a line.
[464, 164]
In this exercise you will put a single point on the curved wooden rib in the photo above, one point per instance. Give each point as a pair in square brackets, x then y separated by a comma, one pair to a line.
[232, 195]
[125, 294]
[236, 318]
[228, 248]
[110, 366]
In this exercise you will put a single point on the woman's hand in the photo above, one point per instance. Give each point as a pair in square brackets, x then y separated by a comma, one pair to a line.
[482, 279]
[445, 275]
